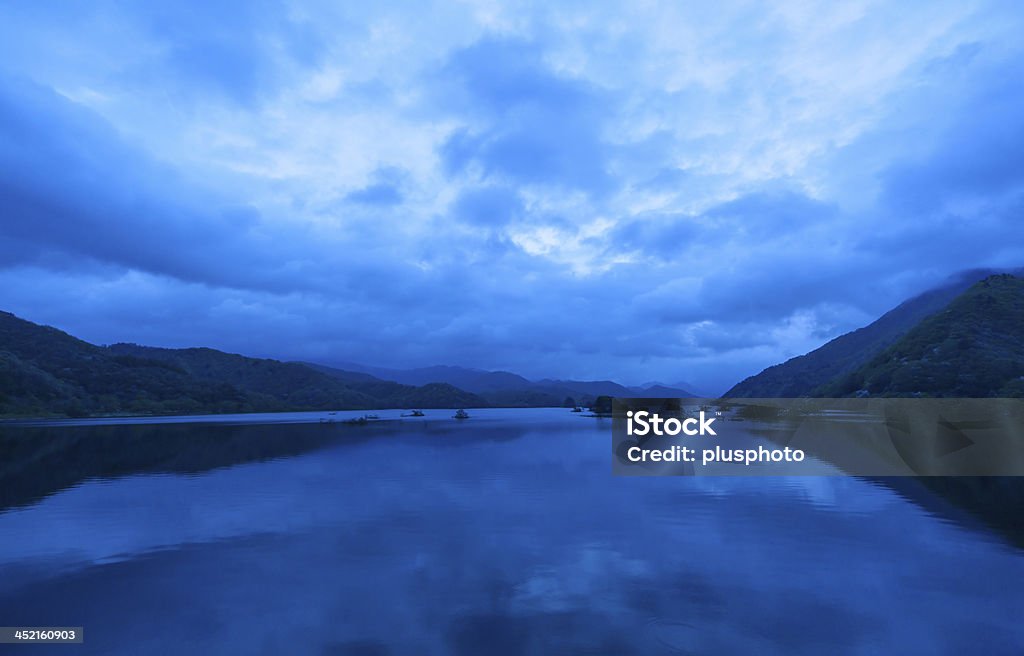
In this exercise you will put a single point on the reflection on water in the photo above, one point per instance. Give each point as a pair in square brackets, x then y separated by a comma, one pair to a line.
[505, 534]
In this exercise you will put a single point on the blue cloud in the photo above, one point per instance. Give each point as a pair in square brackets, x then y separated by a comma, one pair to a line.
[489, 205]
[981, 154]
[556, 190]
[384, 190]
[234, 48]
[758, 217]
[540, 128]
[71, 185]
[379, 193]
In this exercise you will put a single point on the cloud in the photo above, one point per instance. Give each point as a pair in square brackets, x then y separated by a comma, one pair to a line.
[71, 185]
[385, 190]
[979, 155]
[376, 194]
[536, 127]
[488, 205]
[669, 192]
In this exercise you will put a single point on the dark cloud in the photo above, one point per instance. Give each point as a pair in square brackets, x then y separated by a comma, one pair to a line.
[755, 219]
[981, 154]
[70, 184]
[539, 127]
[555, 203]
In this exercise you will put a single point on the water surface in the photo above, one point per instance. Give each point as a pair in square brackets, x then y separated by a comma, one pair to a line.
[502, 534]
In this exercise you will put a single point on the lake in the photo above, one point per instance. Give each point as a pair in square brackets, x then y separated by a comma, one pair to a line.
[502, 534]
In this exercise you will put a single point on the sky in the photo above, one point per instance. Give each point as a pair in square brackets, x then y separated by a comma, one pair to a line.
[631, 191]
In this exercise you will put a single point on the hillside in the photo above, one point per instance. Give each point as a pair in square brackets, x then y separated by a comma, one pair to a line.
[972, 348]
[290, 384]
[802, 375]
[46, 372]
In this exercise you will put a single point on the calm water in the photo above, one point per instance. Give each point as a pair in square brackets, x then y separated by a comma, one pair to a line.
[504, 534]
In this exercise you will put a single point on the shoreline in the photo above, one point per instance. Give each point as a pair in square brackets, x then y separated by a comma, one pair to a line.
[327, 417]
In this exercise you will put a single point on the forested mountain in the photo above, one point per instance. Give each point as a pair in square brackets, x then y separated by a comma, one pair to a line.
[972, 348]
[803, 375]
[46, 372]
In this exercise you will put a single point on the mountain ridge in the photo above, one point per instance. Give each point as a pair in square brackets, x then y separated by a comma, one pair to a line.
[803, 374]
[505, 388]
[45, 372]
[974, 347]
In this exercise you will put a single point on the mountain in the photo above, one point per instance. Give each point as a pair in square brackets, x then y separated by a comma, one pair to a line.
[588, 387]
[44, 371]
[802, 375]
[473, 380]
[972, 348]
[555, 393]
[662, 392]
[290, 384]
[679, 389]
[503, 388]
[343, 374]
[47, 372]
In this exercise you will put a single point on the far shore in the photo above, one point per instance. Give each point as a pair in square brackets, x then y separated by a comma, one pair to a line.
[339, 417]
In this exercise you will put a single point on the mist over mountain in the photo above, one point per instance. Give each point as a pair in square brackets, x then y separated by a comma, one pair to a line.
[802, 375]
[974, 347]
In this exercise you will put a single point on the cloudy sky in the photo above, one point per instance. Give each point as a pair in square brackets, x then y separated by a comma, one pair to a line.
[639, 191]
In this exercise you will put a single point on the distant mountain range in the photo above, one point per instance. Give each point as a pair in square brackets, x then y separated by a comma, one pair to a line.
[961, 339]
[47, 372]
[965, 338]
[505, 389]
